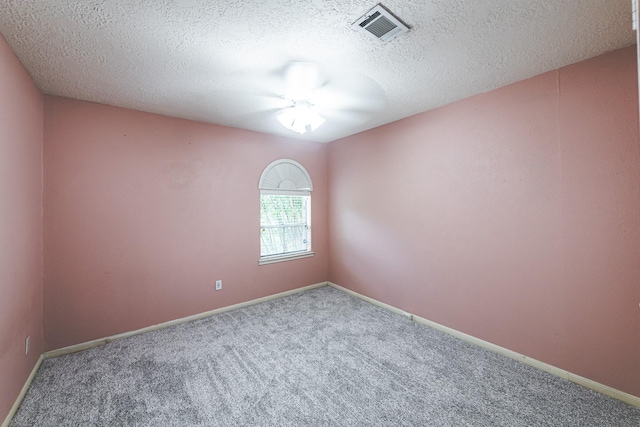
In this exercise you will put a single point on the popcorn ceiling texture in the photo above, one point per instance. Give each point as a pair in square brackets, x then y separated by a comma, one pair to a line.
[213, 61]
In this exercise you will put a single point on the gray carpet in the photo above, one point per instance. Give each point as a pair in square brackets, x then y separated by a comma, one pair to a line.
[318, 358]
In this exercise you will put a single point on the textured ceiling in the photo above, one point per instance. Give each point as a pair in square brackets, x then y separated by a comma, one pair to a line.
[220, 61]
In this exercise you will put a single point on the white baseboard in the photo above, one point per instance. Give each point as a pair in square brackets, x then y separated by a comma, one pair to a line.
[585, 382]
[25, 387]
[101, 341]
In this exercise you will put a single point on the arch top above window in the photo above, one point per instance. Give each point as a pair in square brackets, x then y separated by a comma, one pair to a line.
[285, 175]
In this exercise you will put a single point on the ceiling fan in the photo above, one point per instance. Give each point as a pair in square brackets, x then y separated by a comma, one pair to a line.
[303, 96]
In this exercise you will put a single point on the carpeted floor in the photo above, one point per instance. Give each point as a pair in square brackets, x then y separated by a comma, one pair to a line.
[318, 358]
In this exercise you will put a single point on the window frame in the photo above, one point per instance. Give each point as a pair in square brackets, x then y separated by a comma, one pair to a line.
[286, 177]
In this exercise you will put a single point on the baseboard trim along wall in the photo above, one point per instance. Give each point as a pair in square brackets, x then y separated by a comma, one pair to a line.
[24, 390]
[585, 382]
[102, 341]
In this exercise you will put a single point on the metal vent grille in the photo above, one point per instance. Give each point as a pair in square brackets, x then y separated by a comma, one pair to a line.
[381, 24]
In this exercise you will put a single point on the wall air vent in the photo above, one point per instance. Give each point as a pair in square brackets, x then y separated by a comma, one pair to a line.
[381, 24]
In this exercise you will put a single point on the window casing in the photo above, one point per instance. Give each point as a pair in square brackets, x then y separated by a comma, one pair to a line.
[285, 212]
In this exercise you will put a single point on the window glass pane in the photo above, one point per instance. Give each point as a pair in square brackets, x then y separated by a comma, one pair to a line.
[284, 224]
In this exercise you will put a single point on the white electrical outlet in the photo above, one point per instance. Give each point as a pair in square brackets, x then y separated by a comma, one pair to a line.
[218, 285]
[26, 345]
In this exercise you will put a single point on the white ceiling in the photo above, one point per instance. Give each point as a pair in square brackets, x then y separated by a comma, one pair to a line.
[221, 61]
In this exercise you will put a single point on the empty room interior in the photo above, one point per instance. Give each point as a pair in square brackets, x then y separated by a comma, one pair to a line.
[319, 213]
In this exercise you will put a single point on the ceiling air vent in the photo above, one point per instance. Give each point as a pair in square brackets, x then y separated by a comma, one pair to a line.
[381, 24]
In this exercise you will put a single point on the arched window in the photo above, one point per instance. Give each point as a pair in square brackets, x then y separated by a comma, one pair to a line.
[285, 212]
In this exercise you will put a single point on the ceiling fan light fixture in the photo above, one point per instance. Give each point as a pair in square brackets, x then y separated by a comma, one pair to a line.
[300, 118]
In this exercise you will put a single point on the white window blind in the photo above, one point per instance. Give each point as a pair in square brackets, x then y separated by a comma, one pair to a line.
[285, 224]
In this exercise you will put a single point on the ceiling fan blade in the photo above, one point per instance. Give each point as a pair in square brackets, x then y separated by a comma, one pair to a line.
[351, 92]
[302, 78]
[243, 103]
[263, 81]
[255, 120]
[346, 117]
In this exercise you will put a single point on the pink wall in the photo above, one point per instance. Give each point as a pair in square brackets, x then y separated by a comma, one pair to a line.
[513, 216]
[21, 111]
[144, 212]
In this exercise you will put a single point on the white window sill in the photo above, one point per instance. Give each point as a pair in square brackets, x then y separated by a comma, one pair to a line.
[286, 257]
